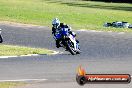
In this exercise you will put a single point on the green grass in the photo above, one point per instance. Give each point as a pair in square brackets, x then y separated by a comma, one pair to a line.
[10, 84]
[79, 14]
[8, 50]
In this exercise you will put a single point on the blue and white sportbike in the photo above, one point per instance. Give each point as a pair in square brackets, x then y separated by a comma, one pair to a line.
[68, 41]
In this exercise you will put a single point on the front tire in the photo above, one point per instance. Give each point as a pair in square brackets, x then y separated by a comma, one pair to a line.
[1, 39]
[78, 52]
[70, 49]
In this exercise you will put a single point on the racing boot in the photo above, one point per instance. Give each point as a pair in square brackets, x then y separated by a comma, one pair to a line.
[58, 44]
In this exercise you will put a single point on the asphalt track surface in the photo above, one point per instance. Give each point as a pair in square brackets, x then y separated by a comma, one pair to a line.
[102, 52]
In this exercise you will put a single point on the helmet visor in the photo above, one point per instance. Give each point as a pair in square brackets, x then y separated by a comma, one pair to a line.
[55, 25]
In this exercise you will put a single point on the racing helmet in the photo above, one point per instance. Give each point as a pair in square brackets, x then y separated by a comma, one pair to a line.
[56, 23]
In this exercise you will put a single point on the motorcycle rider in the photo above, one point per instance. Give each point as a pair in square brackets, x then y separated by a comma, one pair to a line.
[57, 26]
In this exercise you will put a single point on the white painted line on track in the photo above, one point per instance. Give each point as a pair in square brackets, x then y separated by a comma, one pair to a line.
[18, 56]
[83, 30]
[121, 33]
[7, 56]
[95, 31]
[23, 80]
[54, 52]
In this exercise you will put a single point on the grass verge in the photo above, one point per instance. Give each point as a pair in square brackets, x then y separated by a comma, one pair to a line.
[79, 14]
[10, 84]
[9, 50]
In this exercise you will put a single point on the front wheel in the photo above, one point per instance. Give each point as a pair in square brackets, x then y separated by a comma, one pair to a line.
[78, 52]
[70, 48]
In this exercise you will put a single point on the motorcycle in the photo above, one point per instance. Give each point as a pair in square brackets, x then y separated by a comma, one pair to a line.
[68, 41]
